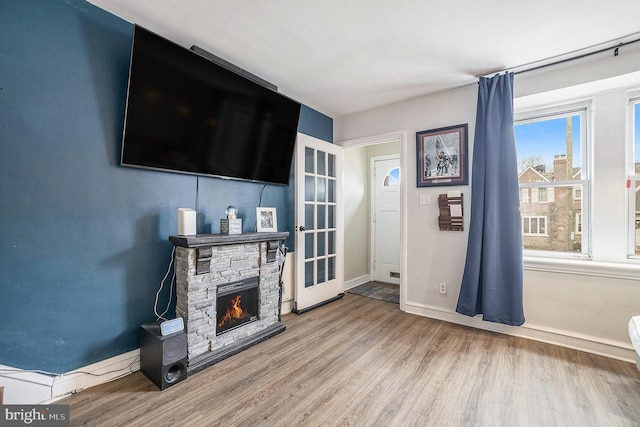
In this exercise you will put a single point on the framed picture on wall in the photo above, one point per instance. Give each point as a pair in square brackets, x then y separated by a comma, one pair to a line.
[266, 219]
[442, 156]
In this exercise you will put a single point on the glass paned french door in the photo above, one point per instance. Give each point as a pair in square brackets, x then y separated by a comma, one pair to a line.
[318, 233]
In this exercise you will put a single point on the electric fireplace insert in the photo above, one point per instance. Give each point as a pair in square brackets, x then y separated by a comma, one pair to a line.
[237, 304]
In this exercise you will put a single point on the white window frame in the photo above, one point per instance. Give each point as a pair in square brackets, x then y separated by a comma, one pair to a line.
[577, 196]
[633, 99]
[585, 110]
[540, 192]
[578, 221]
[528, 218]
[534, 195]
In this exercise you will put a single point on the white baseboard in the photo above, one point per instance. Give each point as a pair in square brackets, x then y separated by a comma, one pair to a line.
[614, 349]
[287, 306]
[24, 387]
[349, 284]
[30, 388]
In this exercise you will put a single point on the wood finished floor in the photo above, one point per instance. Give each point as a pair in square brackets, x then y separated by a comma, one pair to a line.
[362, 362]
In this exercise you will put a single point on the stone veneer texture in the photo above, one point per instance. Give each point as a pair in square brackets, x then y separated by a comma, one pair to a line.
[196, 294]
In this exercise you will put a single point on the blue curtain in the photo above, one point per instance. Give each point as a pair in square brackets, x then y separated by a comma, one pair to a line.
[492, 280]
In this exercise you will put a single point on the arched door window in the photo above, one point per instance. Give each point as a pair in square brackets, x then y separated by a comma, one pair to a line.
[392, 178]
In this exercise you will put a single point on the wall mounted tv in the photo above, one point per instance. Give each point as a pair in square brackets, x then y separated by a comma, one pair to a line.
[189, 115]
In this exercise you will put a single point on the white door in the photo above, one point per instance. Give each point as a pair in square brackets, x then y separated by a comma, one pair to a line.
[319, 218]
[386, 218]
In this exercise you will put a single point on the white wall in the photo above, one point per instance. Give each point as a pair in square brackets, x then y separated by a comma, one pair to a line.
[576, 307]
[356, 214]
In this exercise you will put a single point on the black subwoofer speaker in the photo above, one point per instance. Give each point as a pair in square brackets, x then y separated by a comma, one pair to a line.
[163, 359]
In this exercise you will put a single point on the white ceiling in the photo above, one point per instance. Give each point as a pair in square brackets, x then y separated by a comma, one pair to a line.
[345, 56]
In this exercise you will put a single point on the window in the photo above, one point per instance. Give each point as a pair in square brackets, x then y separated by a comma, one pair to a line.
[577, 193]
[541, 195]
[633, 166]
[534, 225]
[392, 178]
[553, 171]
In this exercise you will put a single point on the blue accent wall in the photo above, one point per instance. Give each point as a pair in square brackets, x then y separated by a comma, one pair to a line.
[316, 124]
[85, 241]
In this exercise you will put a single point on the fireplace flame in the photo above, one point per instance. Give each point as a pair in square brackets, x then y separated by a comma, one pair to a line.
[234, 312]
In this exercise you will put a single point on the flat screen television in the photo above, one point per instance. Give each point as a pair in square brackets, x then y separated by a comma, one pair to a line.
[187, 114]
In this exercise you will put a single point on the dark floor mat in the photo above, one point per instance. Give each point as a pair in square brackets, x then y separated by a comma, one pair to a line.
[382, 291]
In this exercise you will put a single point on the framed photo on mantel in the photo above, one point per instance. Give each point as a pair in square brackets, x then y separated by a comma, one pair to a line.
[266, 219]
[442, 156]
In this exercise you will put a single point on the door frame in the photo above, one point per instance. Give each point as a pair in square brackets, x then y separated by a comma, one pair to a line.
[400, 135]
[372, 206]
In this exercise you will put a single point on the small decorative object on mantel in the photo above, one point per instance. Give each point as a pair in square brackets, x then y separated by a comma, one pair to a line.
[186, 221]
[231, 224]
[450, 204]
[266, 219]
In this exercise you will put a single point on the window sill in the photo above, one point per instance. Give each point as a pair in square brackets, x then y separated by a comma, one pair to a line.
[583, 267]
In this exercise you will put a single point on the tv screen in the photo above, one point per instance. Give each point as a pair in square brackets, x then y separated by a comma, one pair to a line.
[187, 114]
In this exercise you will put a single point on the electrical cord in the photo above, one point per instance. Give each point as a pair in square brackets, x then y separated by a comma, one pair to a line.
[197, 193]
[9, 371]
[155, 304]
[260, 204]
[261, 193]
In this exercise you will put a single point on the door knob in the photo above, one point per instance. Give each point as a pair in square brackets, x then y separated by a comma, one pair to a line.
[303, 228]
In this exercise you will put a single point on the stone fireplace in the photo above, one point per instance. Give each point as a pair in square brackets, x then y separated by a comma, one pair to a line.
[228, 293]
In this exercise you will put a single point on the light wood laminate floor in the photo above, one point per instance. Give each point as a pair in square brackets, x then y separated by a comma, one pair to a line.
[362, 362]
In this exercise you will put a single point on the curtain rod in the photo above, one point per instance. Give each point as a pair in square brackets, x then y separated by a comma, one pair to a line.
[523, 68]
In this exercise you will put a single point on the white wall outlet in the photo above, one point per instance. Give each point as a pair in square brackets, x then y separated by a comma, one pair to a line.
[425, 199]
[443, 288]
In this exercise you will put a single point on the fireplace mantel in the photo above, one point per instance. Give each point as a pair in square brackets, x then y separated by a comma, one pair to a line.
[200, 240]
